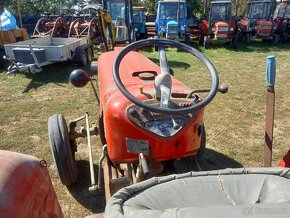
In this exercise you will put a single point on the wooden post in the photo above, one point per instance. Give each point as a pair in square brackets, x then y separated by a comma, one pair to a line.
[19, 13]
[270, 109]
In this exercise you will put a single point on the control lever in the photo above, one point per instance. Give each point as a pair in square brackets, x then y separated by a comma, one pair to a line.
[222, 89]
[175, 124]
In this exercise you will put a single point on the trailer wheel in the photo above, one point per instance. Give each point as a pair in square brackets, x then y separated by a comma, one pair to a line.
[61, 150]
[201, 150]
[84, 58]
[90, 55]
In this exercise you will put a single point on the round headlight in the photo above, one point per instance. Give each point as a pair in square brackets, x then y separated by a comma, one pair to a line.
[213, 29]
[182, 28]
[231, 29]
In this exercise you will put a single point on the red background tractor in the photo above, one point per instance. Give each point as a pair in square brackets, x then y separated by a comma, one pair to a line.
[220, 25]
[258, 22]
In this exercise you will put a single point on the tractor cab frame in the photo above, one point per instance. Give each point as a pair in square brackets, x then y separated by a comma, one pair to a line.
[171, 20]
[139, 20]
[220, 24]
[121, 12]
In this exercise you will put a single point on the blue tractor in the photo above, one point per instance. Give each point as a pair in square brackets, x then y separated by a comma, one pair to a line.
[171, 22]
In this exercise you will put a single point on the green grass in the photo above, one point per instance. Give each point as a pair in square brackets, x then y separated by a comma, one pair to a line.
[235, 122]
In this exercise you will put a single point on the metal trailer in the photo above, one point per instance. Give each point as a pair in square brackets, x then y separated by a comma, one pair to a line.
[31, 55]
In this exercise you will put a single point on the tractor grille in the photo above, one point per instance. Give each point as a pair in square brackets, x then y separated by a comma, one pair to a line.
[172, 28]
[223, 28]
[221, 36]
[266, 27]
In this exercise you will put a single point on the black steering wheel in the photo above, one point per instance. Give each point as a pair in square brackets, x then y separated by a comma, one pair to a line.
[161, 43]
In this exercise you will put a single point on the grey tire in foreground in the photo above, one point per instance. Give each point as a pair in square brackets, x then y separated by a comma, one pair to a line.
[61, 149]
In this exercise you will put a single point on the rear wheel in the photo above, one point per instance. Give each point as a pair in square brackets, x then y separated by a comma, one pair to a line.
[201, 39]
[276, 39]
[234, 41]
[61, 150]
[187, 39]
[248, 39]
[285, 37]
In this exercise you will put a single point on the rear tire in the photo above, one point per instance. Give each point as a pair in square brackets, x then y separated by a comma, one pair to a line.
[234, 41]
[247, 38]
[201, 39]
[276, 39]
[61, 149]
[284, 37]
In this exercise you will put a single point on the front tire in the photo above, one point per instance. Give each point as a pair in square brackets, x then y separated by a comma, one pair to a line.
[206, 42]
[61, 150]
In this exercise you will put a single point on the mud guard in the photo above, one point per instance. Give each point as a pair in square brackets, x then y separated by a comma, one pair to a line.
[25, 187]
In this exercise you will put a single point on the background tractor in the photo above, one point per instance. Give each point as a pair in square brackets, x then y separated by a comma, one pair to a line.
[171, 20]
[139, 19]
[258, 22]
[281, 19]
[220, 24]
[121, 12]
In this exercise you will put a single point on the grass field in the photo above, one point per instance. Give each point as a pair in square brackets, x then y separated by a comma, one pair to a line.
[235, 122]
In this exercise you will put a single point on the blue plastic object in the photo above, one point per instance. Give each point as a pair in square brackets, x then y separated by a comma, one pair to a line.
[8, 21]
[271, 70]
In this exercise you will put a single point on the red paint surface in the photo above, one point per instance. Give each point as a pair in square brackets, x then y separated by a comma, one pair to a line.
[25, 188]
[285, 162]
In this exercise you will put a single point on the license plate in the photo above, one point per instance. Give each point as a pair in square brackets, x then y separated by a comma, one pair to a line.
[137, 146]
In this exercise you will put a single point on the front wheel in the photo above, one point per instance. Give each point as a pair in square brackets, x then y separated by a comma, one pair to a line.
[61, 150]
[234, 41]
[248, 39]
[276, 39]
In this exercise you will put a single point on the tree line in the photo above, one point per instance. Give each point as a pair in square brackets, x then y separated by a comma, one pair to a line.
[32, 7]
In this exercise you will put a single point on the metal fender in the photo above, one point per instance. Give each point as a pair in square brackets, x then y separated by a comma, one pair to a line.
[25, 187]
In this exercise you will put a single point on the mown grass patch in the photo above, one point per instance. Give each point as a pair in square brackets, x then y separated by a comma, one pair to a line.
[235, 122]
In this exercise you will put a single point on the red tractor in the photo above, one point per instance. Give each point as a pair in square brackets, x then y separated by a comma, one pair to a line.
[281, 19]
[220, 25]
[258, 22]
[148, 119]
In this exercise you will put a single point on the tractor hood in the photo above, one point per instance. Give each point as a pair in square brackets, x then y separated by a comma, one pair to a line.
[123, 120]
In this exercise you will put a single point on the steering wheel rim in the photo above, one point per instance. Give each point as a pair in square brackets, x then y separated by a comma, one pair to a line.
[151, 42]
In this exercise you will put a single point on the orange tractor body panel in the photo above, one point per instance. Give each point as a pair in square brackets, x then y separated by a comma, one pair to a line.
[25, 187]
[118, 126]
